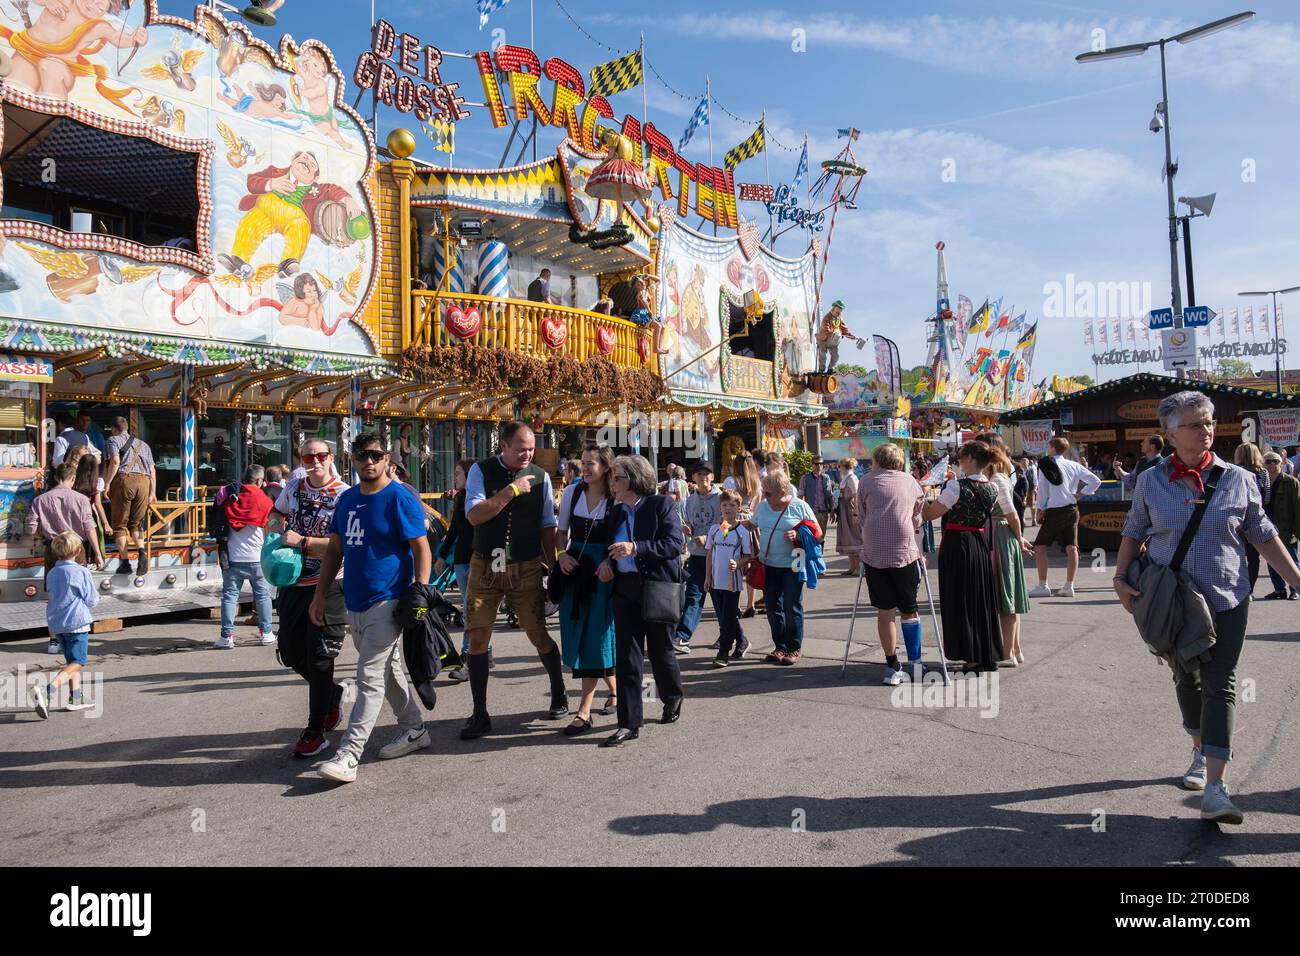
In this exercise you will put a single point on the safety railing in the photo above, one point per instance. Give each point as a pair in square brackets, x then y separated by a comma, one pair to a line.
[441, 319]
[173, 524]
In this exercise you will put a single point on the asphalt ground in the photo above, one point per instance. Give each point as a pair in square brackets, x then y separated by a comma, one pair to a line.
[1077, 765]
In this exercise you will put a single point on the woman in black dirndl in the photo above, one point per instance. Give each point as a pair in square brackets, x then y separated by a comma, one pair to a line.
[966, 582]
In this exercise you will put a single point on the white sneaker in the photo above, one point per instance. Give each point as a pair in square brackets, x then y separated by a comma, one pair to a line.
[342, 769]
[1020, 657]
[225, 642]
[54, 647]
[458, 673]
[41, 703]
[1067, 591]
[892, 677]
[1217, 807]
[269, 639]
[408, 741]
[1195, 777]
[1042, 590]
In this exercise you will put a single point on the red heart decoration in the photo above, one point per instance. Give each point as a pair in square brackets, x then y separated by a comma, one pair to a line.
[554, 332]
[605, 339]
[463, 323]
[643, 347]
[733, 271]
[761, 281]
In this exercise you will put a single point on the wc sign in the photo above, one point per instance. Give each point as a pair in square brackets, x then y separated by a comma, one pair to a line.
[1160, 319]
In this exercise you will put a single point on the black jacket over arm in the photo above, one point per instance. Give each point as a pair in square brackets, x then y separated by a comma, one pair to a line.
[657, 533]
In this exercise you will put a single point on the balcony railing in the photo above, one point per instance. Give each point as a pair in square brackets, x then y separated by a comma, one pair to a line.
[520, 327]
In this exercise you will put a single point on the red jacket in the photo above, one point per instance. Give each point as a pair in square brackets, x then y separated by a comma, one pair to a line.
[317, 194]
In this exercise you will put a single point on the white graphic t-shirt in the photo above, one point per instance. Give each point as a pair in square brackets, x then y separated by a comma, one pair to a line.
[310, 511]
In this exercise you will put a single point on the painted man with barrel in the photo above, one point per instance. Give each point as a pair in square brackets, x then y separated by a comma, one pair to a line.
[829, 334]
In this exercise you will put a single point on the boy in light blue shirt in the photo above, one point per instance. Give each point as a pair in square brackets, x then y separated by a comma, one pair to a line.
[67, 612]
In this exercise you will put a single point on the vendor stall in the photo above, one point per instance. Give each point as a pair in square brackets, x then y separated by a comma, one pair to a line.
[1112, 419]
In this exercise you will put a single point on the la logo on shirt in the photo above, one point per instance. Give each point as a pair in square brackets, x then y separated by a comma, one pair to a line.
[356, 534]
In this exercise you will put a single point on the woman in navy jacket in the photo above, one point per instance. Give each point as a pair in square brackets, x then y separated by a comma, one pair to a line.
[647, 537]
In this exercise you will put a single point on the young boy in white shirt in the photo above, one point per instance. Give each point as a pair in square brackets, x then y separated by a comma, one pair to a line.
[729, 549]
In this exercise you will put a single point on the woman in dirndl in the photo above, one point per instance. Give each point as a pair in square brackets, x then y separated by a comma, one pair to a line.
[966, 583]
[848, 534]
[586, 608]
[1009, 548]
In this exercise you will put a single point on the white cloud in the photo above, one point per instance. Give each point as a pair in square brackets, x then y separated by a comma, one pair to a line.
[1264, 56]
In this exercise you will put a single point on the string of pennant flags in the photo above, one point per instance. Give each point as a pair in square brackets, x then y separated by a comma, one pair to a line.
[627, 70]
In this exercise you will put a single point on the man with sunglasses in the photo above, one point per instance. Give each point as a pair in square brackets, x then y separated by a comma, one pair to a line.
[305, 511]
[378, 537]
[508, 500]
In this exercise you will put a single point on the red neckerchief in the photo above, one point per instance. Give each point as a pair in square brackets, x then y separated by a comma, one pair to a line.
[1181, 470]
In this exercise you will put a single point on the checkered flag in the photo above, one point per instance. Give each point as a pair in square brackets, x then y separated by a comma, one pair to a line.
[616, 75]
[699, 118]
[750, 148]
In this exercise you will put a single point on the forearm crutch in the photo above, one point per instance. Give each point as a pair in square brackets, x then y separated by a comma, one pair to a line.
[934, 617]
[848, 642]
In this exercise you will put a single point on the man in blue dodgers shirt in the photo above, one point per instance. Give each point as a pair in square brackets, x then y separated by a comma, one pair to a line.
[378, 535]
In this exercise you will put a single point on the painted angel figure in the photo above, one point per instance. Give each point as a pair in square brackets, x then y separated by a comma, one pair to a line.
[54, 52]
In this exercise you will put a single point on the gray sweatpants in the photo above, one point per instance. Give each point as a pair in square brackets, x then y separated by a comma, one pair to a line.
[378, 638]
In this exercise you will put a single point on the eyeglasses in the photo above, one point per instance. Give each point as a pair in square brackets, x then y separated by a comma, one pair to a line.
[310, 459]
[1203, 426]
[373, 456]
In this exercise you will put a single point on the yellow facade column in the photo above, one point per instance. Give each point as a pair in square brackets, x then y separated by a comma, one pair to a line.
[401, 144]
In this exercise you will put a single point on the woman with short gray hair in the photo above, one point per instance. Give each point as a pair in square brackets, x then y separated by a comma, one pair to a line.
[1164, 499]
[647, 539]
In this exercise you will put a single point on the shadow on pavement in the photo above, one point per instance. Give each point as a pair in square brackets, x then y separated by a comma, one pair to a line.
[1006, 834]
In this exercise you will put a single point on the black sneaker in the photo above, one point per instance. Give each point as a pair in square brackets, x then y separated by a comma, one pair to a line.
[721, 661]
[740, 650]
[124, 566]
[142, 566]
[477, 726]
[559, 706]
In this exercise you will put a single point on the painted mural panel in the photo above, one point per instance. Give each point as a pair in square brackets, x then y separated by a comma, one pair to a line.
[283, 252]
[700, 274]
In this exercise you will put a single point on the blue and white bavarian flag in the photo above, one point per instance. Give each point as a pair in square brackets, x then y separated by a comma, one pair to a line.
[802, 169]
[699, 118]
[487, 7]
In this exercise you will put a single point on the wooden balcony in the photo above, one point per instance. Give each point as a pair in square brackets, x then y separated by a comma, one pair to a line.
[523, 327]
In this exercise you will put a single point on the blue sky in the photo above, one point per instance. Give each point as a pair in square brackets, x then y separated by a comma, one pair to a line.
[1054, 171]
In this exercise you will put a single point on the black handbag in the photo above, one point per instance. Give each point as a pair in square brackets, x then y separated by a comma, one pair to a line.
[662, 601]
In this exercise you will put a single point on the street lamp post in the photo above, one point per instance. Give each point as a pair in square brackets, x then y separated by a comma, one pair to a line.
[1162, 110]
[1277, 340]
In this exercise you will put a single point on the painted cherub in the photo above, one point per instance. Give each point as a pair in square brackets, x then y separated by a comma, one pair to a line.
[263, 101]
[52, 54]
[304, 307]
[314, 72]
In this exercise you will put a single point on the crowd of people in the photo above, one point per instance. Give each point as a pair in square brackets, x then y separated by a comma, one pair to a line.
[627, 564]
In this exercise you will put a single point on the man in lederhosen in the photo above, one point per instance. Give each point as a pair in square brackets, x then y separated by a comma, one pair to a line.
[508, 501]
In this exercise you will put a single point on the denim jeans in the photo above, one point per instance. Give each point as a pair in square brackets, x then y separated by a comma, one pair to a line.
[233, 578]
[1279, 585]
[783, 594]
[694, 607]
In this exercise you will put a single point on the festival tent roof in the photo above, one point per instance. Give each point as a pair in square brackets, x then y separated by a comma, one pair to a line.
[1139, 383]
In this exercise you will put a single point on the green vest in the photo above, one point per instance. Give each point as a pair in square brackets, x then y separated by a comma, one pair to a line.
[517, 530]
